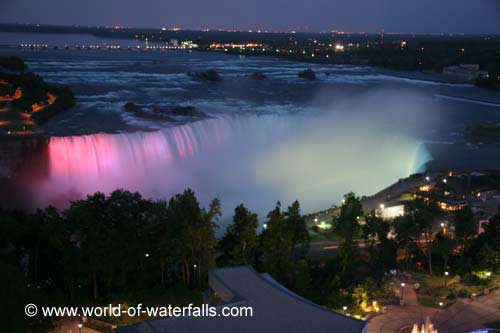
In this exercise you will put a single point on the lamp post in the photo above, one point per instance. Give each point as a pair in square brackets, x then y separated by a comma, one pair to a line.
[80, 325]
[197, 273]
[344, 308]
[402, 290]
[446, 278]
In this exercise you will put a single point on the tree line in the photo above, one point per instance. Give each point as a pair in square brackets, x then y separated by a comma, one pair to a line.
[122, 246]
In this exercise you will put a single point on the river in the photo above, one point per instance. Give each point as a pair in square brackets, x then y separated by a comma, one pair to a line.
[355, 128]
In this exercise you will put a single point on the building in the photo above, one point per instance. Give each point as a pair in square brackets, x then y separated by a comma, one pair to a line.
[451, 204]
[465, 72]
[392, 212]
[484, 209]
[275, 309]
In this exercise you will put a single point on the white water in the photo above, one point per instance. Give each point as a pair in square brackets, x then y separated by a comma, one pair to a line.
[252, 159]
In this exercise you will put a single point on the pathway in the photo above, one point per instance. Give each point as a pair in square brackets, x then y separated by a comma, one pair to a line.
[462, 317]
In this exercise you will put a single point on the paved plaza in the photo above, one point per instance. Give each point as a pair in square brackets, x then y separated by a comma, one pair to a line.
[462, 317]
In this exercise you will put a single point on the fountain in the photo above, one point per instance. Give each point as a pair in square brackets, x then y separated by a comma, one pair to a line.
[427, 327]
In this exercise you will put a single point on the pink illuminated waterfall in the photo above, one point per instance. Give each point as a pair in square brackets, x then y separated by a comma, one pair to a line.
[256, 160]
[144, 161]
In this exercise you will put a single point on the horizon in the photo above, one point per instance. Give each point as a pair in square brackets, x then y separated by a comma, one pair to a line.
[424, 17]
[257, 30]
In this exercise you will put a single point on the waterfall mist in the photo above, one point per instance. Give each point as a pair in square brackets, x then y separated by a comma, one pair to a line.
[315, 156]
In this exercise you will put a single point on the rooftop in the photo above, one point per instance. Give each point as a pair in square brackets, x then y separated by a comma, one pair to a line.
[275, 309]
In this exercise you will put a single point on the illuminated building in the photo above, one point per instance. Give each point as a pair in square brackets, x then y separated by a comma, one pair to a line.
[392, 212]
[242, 46]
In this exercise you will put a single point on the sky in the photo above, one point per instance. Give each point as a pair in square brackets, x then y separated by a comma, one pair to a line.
[410, 16]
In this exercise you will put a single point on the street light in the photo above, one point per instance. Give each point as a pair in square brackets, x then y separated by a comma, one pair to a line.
[344, 308]
[402, 290]
[80, 325]
[446, 278]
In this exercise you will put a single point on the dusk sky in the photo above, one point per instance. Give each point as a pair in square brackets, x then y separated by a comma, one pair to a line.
[419, 16]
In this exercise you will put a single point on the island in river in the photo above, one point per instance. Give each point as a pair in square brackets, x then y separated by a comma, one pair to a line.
[26, 100]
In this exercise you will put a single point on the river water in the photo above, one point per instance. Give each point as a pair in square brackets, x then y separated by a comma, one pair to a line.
[282, 138]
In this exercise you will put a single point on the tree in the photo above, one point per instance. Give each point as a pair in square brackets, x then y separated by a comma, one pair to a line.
[407, 236]
[424, 215]
[347, 228]
[240, 240]
[382, 249]
[125, 213]
[14, 299]
[195, 237]
[302, 277]
[296, 224]
[350, 213]
[277, 245]
[207, 240]
[492, 232]
[94, 233]
[162, 240]
[444, 247]
[487, 258]
[466, 227]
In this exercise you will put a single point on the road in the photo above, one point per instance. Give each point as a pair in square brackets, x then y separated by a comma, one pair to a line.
[328, 248]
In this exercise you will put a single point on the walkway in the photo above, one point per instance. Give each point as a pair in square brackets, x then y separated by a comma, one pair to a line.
[462, 317]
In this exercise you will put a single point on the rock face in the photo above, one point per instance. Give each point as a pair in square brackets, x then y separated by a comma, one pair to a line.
[163, 114]
[211, 75]
[18, 151]
[258, 76]
[307, 74]
[137, 111]
[132, 107]
[187, 111]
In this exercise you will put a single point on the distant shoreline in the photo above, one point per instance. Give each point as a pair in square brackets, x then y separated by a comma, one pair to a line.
[105, 33]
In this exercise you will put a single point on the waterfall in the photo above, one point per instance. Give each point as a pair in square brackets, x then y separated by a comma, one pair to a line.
[256, 160]
[100, 155]
[421, 158]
